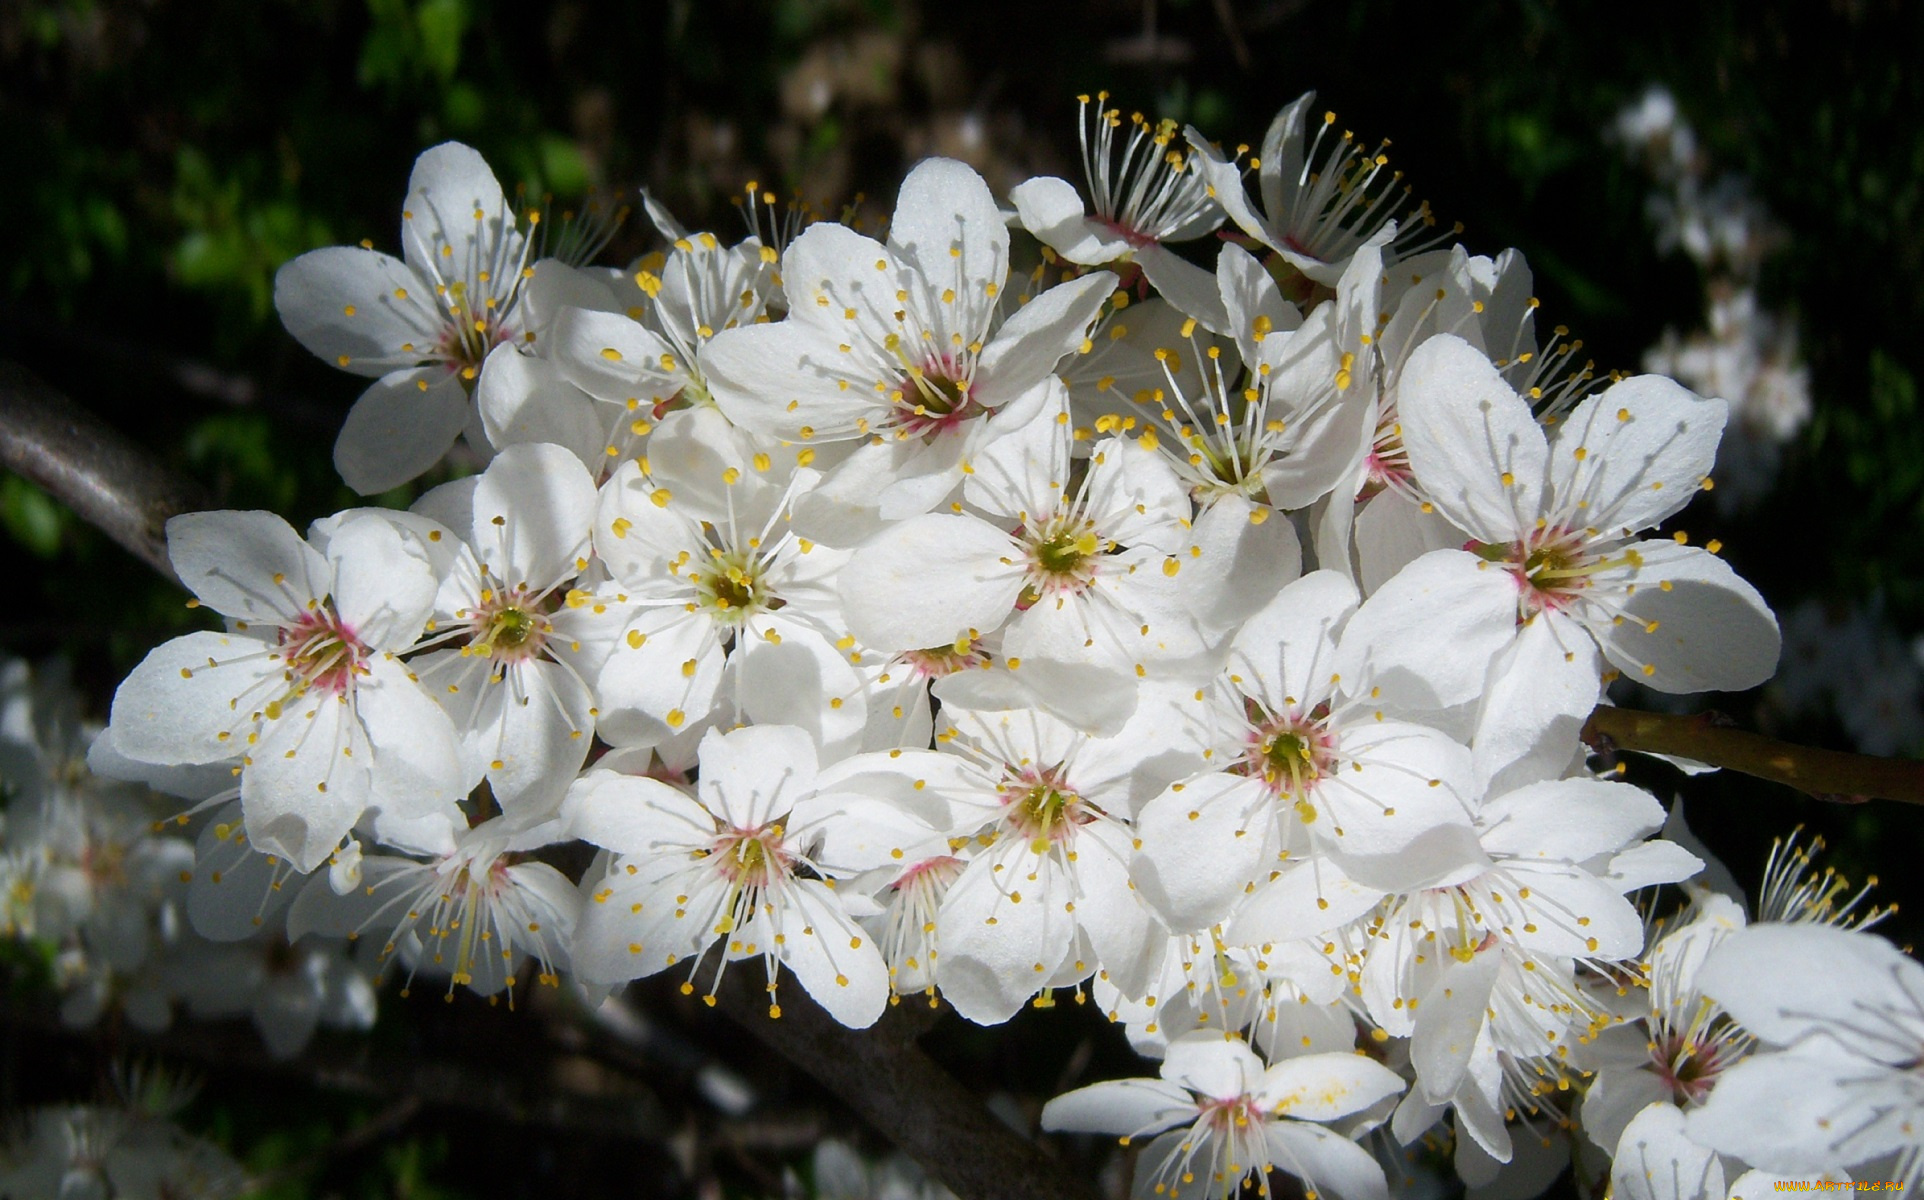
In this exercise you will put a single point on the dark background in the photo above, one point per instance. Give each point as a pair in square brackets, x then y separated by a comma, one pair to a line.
[164, 157]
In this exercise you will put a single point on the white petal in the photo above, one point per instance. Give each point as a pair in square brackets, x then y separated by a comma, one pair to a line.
[781, 378]
[1541, 691]
[542, 735]
[1789, 982]
[613, 358]
[1692, 619]
[1309, 898]
[382, 583]
[1392, 532]
[1288, 649]
[1618, 1094]
[454, 202]
[649, 673]
[1129, 1107]
[832, 956]
[1245, 557]
[632, 814]
[250, 565]
[1021, 468]
[946, 222]
[1447, 1027]
[1657, 1160]
[929, 580]
[992, 943]
[1570, 820]
[1051, 209]
[800, 680]
[1251, 302]
[301, 794]
[416, 769]
[751, 776]
[1203, 842]
[533, 509]
[1399, 804]
[1329, 1163]
[1323, 1087]
[1647, 443]
[524, 400]
[1466, 432]
[1650, 863]
[1428, 636]
[356, 308]
[1193, 290]
[174, 707]
[1038, 336]
[1206, 1062]
[398, 428]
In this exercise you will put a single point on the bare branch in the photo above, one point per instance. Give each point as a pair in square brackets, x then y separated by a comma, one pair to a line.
[1826, 774]
[109, 481]
[892, 1084]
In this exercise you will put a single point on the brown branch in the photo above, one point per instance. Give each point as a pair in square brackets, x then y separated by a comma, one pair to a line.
[1826, 774]
[897, 1088]
[107, 480]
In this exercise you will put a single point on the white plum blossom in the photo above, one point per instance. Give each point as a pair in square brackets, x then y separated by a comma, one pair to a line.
[1048, 895]
[1307, 759]
[1091, 575]
[1223, 1116]
[423, 324]
[1141, 196]
[517, 684]
[700, 537]
[1554, 519]
[1842, 1013]
[304, 693]
[744, 868]
[909, 348]
[1323, 195]
[472, 915]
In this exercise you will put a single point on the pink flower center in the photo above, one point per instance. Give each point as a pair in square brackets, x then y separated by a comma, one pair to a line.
[322, 651]
[937, 397]
[752, 858]
[1290, 752]
[1039, 806]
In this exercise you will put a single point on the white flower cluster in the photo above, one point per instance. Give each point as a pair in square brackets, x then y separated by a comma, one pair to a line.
[1747, 353]
[94, 876]
[918, 625]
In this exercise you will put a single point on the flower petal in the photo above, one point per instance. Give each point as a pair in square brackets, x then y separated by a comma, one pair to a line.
[1473, 445]
[402, 425]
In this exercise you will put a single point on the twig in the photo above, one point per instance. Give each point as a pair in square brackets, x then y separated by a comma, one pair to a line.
[1825, 774]
[887, 1079]
[107, 480]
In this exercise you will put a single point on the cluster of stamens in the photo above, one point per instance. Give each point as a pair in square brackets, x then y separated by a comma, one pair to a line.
[1148, 193]
[509, 626]
[322, 652]
[1062, 554]
[1038, 806]
[1290, 752]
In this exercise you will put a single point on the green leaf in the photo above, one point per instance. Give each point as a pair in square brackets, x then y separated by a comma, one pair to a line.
[32, 518]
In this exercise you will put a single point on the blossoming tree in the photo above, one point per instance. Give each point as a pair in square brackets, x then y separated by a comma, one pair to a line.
[1044, 599]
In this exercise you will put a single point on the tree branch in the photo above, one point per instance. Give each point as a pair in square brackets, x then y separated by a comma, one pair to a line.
[1825, 774]
[892, 1084]
[110, 482]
